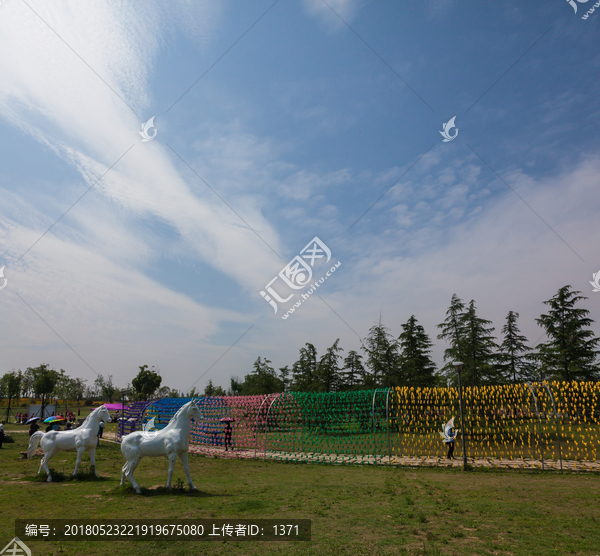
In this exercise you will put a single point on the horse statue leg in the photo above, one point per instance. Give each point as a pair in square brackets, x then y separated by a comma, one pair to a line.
[92, 453]
[184, 460]
[172, 459]
[80, 450]
[47, 457]
[128, 470]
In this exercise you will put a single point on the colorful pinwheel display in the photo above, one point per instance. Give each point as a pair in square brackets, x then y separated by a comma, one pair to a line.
[537, 424]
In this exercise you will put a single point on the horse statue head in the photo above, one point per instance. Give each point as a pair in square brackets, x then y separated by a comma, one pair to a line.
[192, 410]
[102, 414]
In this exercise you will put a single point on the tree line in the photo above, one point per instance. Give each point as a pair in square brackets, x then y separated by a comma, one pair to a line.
[569, 353]
[385, 360]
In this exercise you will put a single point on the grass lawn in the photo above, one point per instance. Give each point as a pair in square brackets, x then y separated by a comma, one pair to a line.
[354, 510]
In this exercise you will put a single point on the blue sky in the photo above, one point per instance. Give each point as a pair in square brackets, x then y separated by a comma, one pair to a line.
[298, 128]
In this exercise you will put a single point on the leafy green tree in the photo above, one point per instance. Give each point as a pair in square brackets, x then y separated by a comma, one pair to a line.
[146, 382]
[382, 357]
[212, 390]
[193, 393]
[174, 393]
[78, 388]
[45, 380]
[570, 353]
[12, 388]
[514, 354]
[353, 373]
[163, 392]
[235, 386]
[305, 369]
[327, 376]
[452, 333]
[27, 383]
[262, 380]
[417, 368]
[65, 388]
[105, 387]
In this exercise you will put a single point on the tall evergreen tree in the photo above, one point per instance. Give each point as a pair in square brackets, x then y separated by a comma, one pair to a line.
[416, 366]
[305, 369]
[515, 355]
[284, 376]
[570, 353]
[478, 349]
[353, 372]
[453, 334]
[328, 377]
[382, 357]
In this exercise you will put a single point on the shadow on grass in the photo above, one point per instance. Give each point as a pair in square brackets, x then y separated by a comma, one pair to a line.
[85, 474]
[179, 489]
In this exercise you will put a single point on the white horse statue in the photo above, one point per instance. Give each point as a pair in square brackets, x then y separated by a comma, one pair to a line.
[171, 441]
[81, 439]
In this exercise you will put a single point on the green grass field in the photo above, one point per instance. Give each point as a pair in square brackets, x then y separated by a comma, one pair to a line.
[354, 510]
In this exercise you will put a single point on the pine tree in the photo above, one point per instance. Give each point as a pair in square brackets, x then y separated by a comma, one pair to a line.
[478, 348]
[452, 332]
[284, 376]
[327, 377]
[416, 366]
[382, 357]
[570, 353]
[353, 372]
[514, 355]
[304, 370]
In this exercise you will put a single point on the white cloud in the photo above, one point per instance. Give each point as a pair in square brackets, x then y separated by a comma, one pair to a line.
[346, 9]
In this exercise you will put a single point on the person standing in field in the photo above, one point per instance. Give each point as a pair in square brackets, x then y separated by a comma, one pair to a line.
[448, 437]
[100, 431]
[228, 435]
[1, 434]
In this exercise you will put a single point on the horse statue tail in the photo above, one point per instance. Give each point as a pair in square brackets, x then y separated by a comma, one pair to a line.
[33, 443]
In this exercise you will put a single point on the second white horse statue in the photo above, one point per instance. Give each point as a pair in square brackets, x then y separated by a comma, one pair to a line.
[81, 439]
[171, 441]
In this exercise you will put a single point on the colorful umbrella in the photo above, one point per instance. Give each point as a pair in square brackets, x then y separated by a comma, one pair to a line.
[54, 419]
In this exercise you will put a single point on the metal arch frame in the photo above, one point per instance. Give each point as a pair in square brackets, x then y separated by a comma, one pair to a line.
[539, 385]
[275, 398]
[555, 421]
[387, 415]
[268, 396]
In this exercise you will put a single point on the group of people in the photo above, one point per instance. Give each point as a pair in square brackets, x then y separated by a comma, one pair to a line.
[69, 416]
